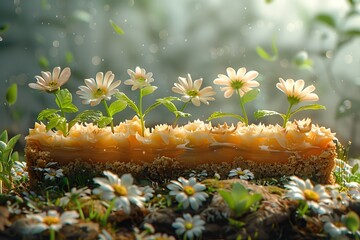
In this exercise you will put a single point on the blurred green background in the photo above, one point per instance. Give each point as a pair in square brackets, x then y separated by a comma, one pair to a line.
[314, 40]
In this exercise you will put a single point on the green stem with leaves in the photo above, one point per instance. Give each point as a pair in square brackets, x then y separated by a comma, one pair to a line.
[246, 121]
[52, 234]
[141, 113]
[107, 213]
[108, 113]
[181, 110]
[287, 116]
[58, 99]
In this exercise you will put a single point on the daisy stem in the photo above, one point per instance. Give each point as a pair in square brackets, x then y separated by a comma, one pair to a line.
[108, 113]
[141, 114]
[52, 234]
[243, 108]
[61, 109]
[107, 213]
[178, 116]
[79, 209]
[287, 116]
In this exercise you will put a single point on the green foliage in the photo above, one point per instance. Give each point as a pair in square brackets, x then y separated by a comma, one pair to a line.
[116, 107]
[352, 221]
[116, 28]
[267, 56]
[221, 115]
[264, 113]
[302, 60]
[250, 95]
[239, 199]
[327, 20]
[64, 101]
[11, 94]
[4, 28]
[69, 57]
[7, 158]
[44, 62]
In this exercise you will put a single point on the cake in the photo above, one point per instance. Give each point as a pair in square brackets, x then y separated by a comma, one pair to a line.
[166, 152]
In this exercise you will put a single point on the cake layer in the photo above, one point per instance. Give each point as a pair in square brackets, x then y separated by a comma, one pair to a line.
[301, 149]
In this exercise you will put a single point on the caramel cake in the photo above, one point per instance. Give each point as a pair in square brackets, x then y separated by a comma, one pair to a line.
[166, 152]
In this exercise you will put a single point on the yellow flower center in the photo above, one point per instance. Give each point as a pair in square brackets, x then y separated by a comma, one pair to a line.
[53, 84]
[193, 93]
[120, 189]
[100, 92]
[311, 195]
[50, 220]
[140, 79]
[189, 190]
[236, 84]
[188, 225]
[240, 173]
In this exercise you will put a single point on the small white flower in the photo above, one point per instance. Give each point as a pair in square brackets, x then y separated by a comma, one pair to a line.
[191, 91]
[188, 192]
[121, 190]
[51, 174]
[105, 235]
[82, 193]
[241, 81]
[147, 192]
[189, 226]
[139, 78]
[334, 226]
[18, 171]
[50, 83]
[200, 176]
[242, 174]
[50, 220]
[100, 89]
[316, 197]
[339, 199]
[295, 92]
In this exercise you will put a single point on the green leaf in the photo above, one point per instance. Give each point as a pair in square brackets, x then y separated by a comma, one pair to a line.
[148, 90]
[69, 57]
[355, 168]
[151, 107]
[57, 123]
[181, 114]
[4, 136]
[3, 146]
[308, 107]
[265, 55]
[5, 178]
[15, 157]
[326, 19]
[264, 113]
[167, 102]
[351, 221]
[104, 121]
[44, 62]
[86, 116]
[47, 114]
[227, 196]
[11, 94]
[221, 114]
[250, 95]
[64, 101]
[12, 141]
[116, 28]
[117, 106]
[4, 28]
[130, 103]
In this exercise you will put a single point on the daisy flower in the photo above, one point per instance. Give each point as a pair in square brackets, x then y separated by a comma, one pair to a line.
[74, 195]
[191, 91]
[139, 78]
[51, 82]
[189, 226]
[239, 81]
[51, 174]
[295, 91]
[334, 227]
[339, 199]
[51, 220]
[147, 192]
[18, 171]
[188, 192]
[98, 89]
[316, 197]
[242, 174]
[121, 191]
